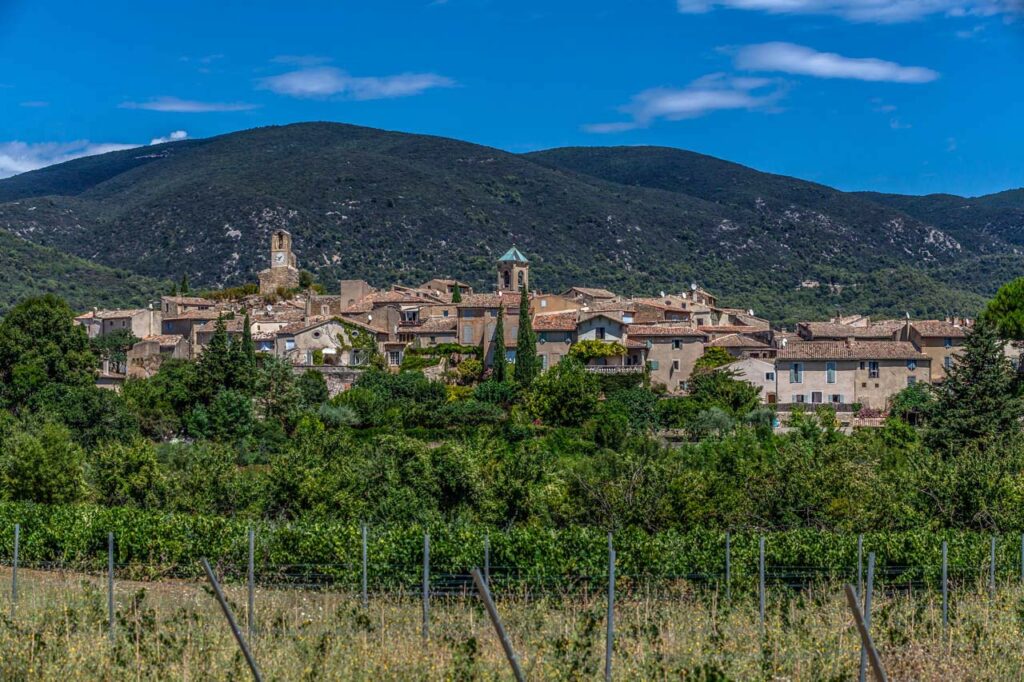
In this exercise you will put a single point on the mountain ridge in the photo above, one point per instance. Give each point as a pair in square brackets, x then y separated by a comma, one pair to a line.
[390, 206]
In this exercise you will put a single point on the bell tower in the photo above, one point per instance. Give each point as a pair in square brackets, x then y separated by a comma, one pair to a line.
[281, 255]
[513, 271]
[282, 273]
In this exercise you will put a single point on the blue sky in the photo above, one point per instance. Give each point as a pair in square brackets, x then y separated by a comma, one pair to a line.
[912, 96]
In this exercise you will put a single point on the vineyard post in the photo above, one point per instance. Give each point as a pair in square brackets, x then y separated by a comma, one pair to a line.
[760, 584]
[1022, 557]
[860, 565]
[865, 635]
[492, 611]
[728, 568]
[487, 559]
[867, 614]
[366, 598]
[14, 569]
[251, 613]
[945, 585]
[426, 585]
[610, 637]
[110, 583]
[992, 568]
[256, 674]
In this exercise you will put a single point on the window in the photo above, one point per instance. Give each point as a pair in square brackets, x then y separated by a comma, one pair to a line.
[911, 365]
[815, 396]
[627, 318]
[911, 381]
[830, 372]
[675, 365]
[799, 398]
[947, 342]
[654, 365]
[514, 332]
[542, 337]
[444, 313]
[394, 357]
[599, 333]
[289, 344]
[543, 362]
[947, 362]
[796, 373]
[543, 303]
[467, 334]
[872, 369]
[510, 355]
[836, 398]
[469, 312]
[862, 364]
[769, 376]
[677, 344]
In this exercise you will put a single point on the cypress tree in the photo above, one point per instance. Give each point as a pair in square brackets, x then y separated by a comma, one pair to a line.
[977, 402]
[527, 363]
[499, 370]
[457, 294]
[184, 284]
[214, 368]
[243, 360]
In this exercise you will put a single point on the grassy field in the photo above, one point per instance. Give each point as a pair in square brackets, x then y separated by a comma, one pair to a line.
[176, 631]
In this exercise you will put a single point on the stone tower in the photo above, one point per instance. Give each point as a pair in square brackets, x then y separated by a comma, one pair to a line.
[513, 271]
[282, 273]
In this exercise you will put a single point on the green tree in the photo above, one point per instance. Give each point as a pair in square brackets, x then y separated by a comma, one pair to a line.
[243, 359]
[41, 345]
[44, 466]
[527, 361]
[114, 347]
[457, 293]
[312, 388]
[1006, 310]
[714, 356]
[127, 474]
[565, 395]
[216, 366]
[499, 366]
[183, 288]
[977, 401]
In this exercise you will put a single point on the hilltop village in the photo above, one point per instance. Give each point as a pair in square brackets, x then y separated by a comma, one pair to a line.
[854, 364]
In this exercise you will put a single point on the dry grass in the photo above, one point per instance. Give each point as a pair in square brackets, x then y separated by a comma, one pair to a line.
[176, 631]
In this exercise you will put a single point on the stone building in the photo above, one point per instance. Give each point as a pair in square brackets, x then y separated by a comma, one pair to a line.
[282, 273]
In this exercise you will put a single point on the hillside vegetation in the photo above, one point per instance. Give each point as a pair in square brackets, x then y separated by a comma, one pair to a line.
[387, 206]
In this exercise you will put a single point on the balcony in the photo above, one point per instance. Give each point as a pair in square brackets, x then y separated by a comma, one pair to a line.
[615, 369]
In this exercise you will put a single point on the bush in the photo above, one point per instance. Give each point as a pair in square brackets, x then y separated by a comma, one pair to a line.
[45, 465]
[565, 395]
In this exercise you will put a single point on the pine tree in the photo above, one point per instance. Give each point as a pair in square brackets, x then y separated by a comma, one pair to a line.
[457, 294]
[499, 369]
[214, 368]
[527, 363]
[184, 285]
[977, 401]
[243, 359]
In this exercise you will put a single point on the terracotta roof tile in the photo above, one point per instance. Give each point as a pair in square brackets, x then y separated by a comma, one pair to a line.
[663, 330]
[736, 341]
[858, 350]
[553, 322]
[939, 328]
[831, 330]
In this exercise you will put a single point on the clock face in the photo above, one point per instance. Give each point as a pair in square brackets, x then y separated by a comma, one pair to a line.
[278, 257]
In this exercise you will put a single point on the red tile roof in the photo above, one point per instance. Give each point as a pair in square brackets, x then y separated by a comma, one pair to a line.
[939, 328]
[551, 322]
[663, 330]
[858, 350]
[736, 341]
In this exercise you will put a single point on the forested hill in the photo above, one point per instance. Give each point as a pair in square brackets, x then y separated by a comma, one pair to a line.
[389, 206]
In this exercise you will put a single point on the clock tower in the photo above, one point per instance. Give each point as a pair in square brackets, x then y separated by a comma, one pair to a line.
[282, 273]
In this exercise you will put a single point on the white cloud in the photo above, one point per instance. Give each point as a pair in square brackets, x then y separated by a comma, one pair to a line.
[877, 11]
[175, 136]
[804, 61]
[21, 157]
[328, 81]
[714, 92]
[185, 106]
[897, 124]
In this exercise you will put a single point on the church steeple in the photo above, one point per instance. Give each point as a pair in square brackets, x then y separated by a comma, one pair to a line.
[513, 271]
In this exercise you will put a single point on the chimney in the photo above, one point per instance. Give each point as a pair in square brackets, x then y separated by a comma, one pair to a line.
[849, 342]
